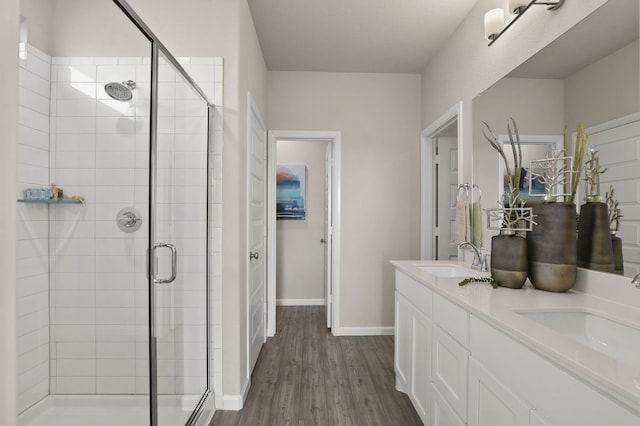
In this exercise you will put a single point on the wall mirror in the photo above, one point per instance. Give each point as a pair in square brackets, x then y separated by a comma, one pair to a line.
[589, 75]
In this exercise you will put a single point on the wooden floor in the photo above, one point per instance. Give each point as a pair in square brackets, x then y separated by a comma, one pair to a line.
[306, 376]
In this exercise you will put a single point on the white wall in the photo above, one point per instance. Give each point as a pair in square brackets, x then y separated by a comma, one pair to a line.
[604, 90]
[9, 20]
[379, 117]
[300, 255]
[38, 15]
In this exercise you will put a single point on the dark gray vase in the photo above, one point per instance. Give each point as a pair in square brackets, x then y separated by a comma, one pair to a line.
[595, 250]
[552, 246]
[509, 260]
[618, 262]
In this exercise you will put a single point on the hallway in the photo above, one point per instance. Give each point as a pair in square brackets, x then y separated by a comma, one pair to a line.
[306, 376]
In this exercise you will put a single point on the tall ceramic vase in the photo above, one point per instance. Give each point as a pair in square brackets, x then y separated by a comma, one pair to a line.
[509, 260]
[618, 262]
[595, 250]
[551, 246]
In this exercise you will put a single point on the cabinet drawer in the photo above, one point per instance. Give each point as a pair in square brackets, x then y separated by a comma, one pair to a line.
[491, 403]
[452, 319]
[449, 368]
[441, 412]
[418, 294]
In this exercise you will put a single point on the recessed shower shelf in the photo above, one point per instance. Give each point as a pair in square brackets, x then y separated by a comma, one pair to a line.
[21, 200]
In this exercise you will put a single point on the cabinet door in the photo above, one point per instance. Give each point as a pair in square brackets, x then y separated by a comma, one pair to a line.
[449, 366]
[441, 413]
[402, 349]
[420, 382]
[491, 403]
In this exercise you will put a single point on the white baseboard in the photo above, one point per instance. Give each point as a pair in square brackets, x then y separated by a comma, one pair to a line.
[233, 402]
[300, 302]
[364, 331]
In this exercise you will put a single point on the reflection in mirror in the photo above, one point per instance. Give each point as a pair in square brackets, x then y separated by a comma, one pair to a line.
[589, 75]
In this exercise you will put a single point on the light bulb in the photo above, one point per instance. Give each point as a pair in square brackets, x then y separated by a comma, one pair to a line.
[517, 6]
[493, 23]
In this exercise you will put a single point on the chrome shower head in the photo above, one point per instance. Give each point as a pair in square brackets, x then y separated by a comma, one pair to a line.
[120, 91]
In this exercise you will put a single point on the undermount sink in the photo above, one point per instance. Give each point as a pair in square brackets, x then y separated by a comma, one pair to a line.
[445, 270]
[606, 336]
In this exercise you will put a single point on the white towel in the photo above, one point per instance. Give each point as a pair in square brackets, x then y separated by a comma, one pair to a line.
[476, 224]
[462, 222]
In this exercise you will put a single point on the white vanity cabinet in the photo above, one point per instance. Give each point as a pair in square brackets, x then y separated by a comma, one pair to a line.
[413, 342]
[508, 377]
[461, 366]
[450, 357]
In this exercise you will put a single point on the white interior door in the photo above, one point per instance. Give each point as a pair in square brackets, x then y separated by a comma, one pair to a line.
[446, 193]
[257, 184]
[617, 143]
[328, 238]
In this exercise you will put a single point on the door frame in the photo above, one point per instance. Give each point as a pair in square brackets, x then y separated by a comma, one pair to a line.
[334, 139]
[427, 170]
[253, 112]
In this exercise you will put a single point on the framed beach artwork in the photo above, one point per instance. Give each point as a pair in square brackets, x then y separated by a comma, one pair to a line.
[291, 191]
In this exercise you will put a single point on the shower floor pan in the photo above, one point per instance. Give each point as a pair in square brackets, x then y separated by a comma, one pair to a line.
[104, 410]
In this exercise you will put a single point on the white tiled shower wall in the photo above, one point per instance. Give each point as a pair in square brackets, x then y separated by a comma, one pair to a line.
[97, 287]
[33, 230]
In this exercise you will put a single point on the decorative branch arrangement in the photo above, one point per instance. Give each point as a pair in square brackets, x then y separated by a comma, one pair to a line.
[553, 174]
[515, 217]
[578, 159]
[592, 171]
[614, 211]
[513, 176]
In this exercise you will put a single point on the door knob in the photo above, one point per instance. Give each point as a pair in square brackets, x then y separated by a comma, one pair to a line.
[323, 241]
[253, 255]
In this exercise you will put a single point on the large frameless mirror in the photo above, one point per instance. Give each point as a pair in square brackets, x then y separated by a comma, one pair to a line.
[589, 75]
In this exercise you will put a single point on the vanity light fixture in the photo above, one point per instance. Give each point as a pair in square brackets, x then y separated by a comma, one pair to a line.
[494, 19]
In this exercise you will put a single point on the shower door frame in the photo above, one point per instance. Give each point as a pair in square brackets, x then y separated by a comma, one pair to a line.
[156, 48]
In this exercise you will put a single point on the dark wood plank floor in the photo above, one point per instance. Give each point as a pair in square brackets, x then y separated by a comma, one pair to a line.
[305, 376]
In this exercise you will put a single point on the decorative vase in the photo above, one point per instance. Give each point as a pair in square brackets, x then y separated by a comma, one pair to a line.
[551, 246]
[618, 263]
[509, 260]
[595, 250]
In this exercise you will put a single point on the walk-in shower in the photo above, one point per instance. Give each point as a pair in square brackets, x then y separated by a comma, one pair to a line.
[115, 218]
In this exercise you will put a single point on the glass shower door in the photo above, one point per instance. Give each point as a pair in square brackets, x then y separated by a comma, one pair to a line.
[179, 248]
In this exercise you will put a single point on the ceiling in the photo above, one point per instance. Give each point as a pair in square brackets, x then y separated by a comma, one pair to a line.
[385, 36]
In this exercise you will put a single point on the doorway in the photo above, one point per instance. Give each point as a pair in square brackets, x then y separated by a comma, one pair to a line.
[328, 239]
[439, 177]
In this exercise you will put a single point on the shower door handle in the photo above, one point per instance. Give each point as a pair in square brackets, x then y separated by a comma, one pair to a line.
[174, 263]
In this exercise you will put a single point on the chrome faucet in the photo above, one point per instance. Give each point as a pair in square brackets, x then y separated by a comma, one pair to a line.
[636, 281]
[479, 260]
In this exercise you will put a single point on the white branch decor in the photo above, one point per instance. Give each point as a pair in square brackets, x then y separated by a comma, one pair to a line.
[592, 171]
[553, 174]
[517, 219]
[615, 214]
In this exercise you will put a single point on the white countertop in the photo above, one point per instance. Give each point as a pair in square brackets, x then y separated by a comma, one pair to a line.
[497, 307]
